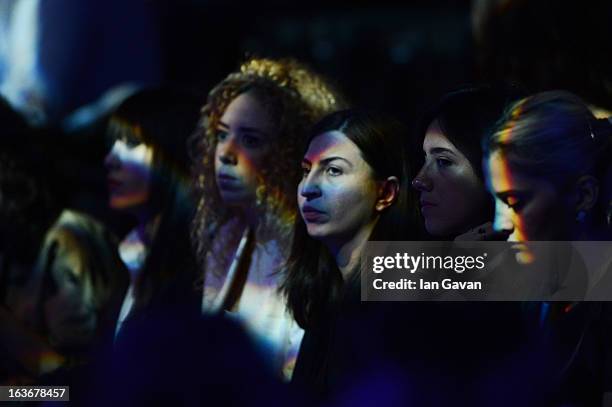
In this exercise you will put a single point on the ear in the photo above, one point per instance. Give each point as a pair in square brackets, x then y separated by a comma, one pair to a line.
[388, 192]
[587, 192]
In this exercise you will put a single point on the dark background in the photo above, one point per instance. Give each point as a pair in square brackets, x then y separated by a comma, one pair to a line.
[397, 57]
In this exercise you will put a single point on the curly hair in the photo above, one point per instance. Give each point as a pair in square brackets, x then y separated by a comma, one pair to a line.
[296, 98]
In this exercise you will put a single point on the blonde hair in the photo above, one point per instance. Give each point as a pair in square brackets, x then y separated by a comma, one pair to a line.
[551, 134]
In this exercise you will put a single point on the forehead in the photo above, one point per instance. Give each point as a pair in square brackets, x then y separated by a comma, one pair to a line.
[498, 173]
[502, 177]
[332, 144]
[246, 111]
[142, 153]
[435, 138]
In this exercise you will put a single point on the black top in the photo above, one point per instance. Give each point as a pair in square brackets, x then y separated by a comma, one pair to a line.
[464, 353]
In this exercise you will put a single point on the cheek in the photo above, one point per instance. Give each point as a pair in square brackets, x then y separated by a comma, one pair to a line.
[354, 202]
[254, 161]
[546, 219]
[462, 193]
[300, 198]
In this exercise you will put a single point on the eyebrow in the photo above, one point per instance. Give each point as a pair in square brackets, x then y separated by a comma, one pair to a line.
[327, 160]
[246, 129]
[438, 150]
[511, 192]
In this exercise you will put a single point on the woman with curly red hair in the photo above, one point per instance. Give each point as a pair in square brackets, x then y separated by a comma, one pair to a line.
[247, 154]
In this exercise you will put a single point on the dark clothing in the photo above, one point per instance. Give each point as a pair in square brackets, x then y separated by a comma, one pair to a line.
[460, 353]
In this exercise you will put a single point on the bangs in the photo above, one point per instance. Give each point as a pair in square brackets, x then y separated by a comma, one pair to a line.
[120, 129]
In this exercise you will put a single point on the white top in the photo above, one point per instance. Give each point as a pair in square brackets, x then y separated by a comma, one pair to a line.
[261, 308]
[133, 252]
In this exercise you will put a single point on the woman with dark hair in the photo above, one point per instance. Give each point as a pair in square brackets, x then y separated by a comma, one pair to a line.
[246, 152]
[454, 199]
[148, 177]
[354, 189]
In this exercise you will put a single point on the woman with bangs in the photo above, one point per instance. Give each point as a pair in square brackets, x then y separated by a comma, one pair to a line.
[247, 153]
[148, 178]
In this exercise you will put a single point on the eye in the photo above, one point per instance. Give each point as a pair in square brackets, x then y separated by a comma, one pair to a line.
[443, 162]
[333, 171]
[129, 141]
[221, 135]
[251, 141]
[132, 143]
[305, 171]
[513, 202]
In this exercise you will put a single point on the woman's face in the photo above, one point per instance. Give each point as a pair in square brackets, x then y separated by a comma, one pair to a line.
[453, 199]
[245, 134]
[69, 310]
[129, 175]
[338, 193]
[531, 208]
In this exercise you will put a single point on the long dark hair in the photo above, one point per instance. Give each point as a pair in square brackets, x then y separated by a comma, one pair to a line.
[313, 279]
[467, 116]
[163, 119]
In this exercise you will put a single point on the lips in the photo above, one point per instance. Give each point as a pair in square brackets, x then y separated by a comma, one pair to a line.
[228, 182]
[226, 177]
[425, 203]
[426, 206]
[312, 214]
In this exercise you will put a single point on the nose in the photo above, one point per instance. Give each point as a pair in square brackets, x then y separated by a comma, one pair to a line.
[421, 182]
[504, 218]
[310, 188]
[227, 152]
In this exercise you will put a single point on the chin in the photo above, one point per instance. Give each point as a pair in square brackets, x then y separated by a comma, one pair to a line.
[117, 204]
[126, 202]
[235, 200]
[316, 232]
[435, 229]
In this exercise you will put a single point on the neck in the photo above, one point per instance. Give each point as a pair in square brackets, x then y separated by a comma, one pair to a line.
[251, 218]
[147, 228]
[348, 252]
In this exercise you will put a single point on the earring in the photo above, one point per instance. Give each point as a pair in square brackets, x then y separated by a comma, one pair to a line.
[581, 216]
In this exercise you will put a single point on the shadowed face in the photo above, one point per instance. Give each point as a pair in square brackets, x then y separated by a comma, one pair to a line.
[129, 176]
[532, 208]
[338, 192]
[453, 198]
[245, 134]
[70, 311]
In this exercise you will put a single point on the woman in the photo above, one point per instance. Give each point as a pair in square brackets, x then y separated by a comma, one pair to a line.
[354, 189]
[545, 164]
[148, 177]
[247, 149]
[453, 196]
[456, 205]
